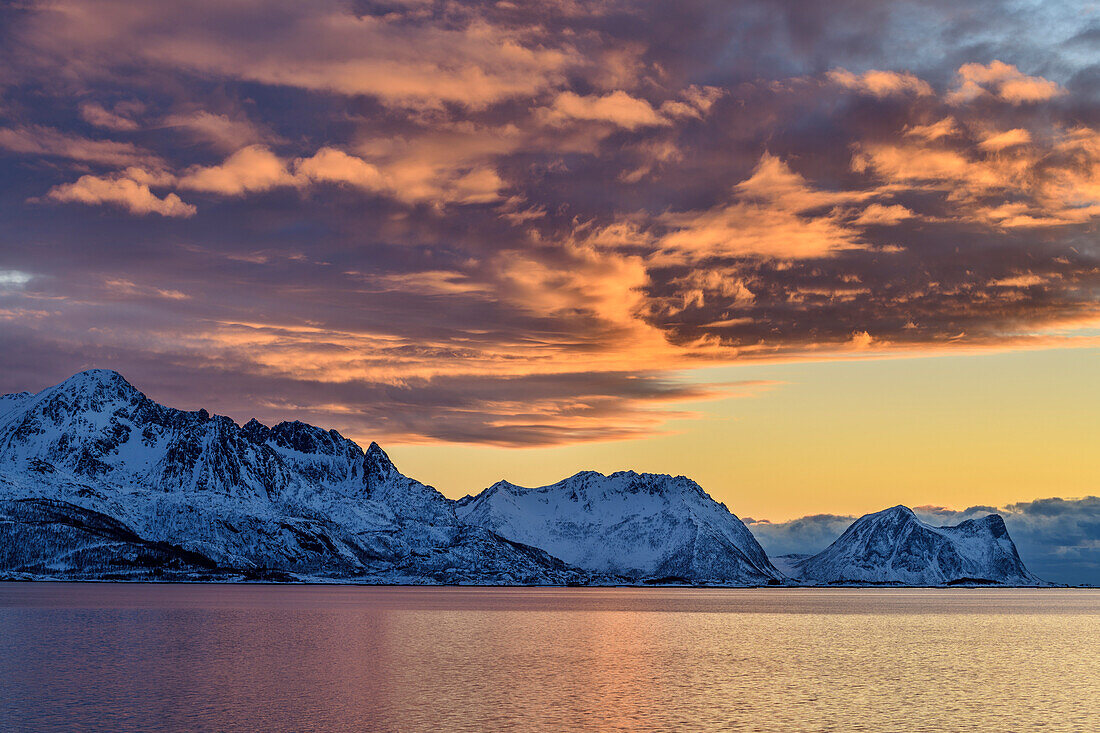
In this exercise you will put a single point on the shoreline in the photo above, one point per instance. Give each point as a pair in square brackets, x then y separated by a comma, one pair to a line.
[631, 586]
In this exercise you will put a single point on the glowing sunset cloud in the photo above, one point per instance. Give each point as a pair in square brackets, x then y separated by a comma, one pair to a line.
[538, 225]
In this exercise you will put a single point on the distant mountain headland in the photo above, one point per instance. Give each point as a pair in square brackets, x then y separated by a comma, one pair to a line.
[98, 482]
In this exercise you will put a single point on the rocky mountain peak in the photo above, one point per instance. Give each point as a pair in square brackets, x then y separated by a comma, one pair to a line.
[638, 525]
[991, 524]
[92, 390]
[98, 480]
[256, 432]
[96, 381]
[894, 546]
[305, 438]
[897, 513]
[378, 466]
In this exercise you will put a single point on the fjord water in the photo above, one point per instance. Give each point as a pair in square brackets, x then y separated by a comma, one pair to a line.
[122, 657]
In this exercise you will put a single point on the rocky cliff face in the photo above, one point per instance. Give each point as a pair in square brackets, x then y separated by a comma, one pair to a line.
[894, 547]
[642, 526]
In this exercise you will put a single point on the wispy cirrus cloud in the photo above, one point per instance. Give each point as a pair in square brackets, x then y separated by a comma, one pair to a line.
[118, 120]
[391, 56]
[222, 131]
[40, 141]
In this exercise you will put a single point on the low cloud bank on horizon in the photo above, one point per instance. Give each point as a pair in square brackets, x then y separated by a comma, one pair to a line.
[1057, 538]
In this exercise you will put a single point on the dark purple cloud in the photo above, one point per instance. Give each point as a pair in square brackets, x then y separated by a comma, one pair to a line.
[519, 224]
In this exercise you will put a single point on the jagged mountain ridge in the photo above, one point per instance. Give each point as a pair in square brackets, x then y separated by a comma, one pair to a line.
[893, 546]
[96, 478]
[637, 525]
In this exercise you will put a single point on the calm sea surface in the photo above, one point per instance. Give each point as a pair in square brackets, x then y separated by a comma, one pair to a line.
[117, 657]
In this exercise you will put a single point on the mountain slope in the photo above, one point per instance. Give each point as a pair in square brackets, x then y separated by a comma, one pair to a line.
[893, 546]
[96, 479]
[630, 524]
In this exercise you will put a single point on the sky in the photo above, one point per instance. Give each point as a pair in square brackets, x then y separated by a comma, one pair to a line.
[822, 258]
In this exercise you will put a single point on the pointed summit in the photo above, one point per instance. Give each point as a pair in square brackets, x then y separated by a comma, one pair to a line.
[94, 380]
[91, 391]
[96, 374]
[378, 464]
[256, 432]
[899, 514]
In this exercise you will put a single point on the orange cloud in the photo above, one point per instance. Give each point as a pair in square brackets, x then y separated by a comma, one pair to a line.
[128, 288]
[96, 114]
[946, 127]
[411, 175]
[335, 166]
[547, 252]
[451, 163]
[771, 216]
[1007, 139]
[429, 282]
[251, 169]
[879, 214]
[417, 172]
[127, 193]
[579, 280]
[1019, 281]
[697, 288]
[220, 131]
[617, 108]
[328, 49]
[1008, 179]
[1003, 81]
[695, 102]
[880, 83]
[911, 163]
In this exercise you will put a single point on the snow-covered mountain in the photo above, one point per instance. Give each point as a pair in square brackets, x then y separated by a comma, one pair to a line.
[97, 480]
[893, 546]
[636, 525]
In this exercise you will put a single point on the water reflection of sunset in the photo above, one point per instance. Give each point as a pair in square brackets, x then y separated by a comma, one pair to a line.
[472, 659]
